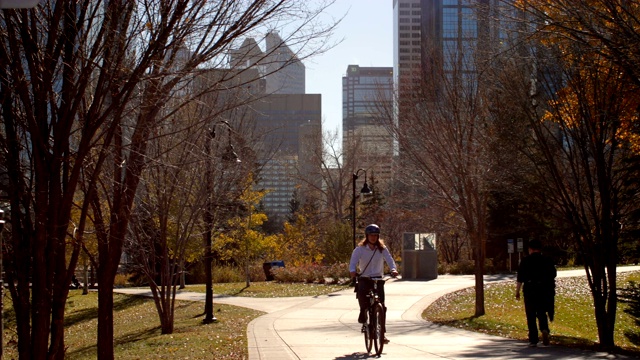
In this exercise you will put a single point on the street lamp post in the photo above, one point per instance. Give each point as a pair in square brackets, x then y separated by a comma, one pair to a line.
[229, 155]
[365, 190]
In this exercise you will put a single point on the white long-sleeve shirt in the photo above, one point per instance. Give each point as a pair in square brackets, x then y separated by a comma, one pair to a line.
[361, 255]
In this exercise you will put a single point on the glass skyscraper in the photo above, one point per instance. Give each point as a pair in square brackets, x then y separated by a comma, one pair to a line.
[367, 95]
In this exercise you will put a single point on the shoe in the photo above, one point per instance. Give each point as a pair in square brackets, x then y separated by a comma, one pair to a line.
[362, 318]
[533, 345]
[385, 340]
[545, 337]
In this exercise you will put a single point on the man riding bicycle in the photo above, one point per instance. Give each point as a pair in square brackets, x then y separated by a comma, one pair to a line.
[369, 256]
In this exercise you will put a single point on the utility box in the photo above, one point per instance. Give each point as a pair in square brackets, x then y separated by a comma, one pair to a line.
[419, 256]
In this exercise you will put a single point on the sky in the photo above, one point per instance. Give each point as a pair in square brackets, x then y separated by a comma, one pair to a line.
[367, 40]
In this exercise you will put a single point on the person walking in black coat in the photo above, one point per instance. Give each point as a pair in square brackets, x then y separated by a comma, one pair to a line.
[536, 277]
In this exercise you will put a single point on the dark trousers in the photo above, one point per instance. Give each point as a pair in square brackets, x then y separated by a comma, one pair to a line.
[364, 285]
[536, 315]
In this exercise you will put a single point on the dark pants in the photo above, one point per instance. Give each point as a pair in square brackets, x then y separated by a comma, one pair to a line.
[536, 314]
[364, 285]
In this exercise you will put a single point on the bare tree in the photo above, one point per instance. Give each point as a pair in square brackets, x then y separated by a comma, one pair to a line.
[443, 135]
[83, 85]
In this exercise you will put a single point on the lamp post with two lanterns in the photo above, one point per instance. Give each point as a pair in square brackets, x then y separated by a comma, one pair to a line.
[366, 190]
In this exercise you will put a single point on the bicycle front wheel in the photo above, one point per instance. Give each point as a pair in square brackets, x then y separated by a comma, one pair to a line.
[378, 328]
[368, 336]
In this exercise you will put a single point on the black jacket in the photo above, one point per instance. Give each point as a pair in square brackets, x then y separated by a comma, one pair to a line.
[537, 273]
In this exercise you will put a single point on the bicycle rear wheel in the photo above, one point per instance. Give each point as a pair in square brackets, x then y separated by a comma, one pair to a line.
[378, 328]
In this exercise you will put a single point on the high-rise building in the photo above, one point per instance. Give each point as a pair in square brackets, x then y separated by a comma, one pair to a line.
[285, 73]
[367, 96]
[291, 124]
[407, 41]
[288, 119]
[440, 37]
[278, 64]
[281, 115]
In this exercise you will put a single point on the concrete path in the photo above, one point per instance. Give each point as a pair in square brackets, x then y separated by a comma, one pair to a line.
[325, 327]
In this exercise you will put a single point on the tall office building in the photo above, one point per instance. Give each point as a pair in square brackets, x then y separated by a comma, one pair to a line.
[285, 73]
[288, 119]
[291, 124]
[278, 64]
[440, 37]
[407, 43]
[367, 95]
[438, 33]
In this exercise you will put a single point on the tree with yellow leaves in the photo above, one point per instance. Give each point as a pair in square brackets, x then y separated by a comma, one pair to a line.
[240, 238]
[299, 244]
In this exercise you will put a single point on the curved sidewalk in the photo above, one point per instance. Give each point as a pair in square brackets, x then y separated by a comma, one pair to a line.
[325, 327]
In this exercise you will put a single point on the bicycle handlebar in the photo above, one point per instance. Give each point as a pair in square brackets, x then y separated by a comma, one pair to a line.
[379, 277]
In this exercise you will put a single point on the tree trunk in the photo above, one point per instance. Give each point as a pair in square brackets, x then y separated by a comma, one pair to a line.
[105, 314]
[57, 348]
[479, 280]
[23, 320]
[166, 317]
[41, 297]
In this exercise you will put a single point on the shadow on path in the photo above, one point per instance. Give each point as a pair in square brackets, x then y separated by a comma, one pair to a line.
[358, 355]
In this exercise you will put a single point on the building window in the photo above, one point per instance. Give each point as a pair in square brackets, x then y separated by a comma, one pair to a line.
[449, 22]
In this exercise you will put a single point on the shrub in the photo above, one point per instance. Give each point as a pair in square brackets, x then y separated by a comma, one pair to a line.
[468, 267]
[463, 267]
[313, 273]
[305, 273]
[226, 274]
[338, 273]
[256, 272]
[121, 280]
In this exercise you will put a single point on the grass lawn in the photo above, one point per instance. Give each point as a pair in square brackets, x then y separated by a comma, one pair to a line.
[574, 323]
[269, 289]
[137, 327]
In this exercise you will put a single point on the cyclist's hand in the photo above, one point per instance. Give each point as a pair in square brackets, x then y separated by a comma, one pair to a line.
[394, 273]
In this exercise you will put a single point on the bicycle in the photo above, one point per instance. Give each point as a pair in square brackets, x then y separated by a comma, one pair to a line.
[374, 327]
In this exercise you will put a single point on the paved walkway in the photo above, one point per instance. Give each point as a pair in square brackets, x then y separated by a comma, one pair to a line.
[325, 327]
